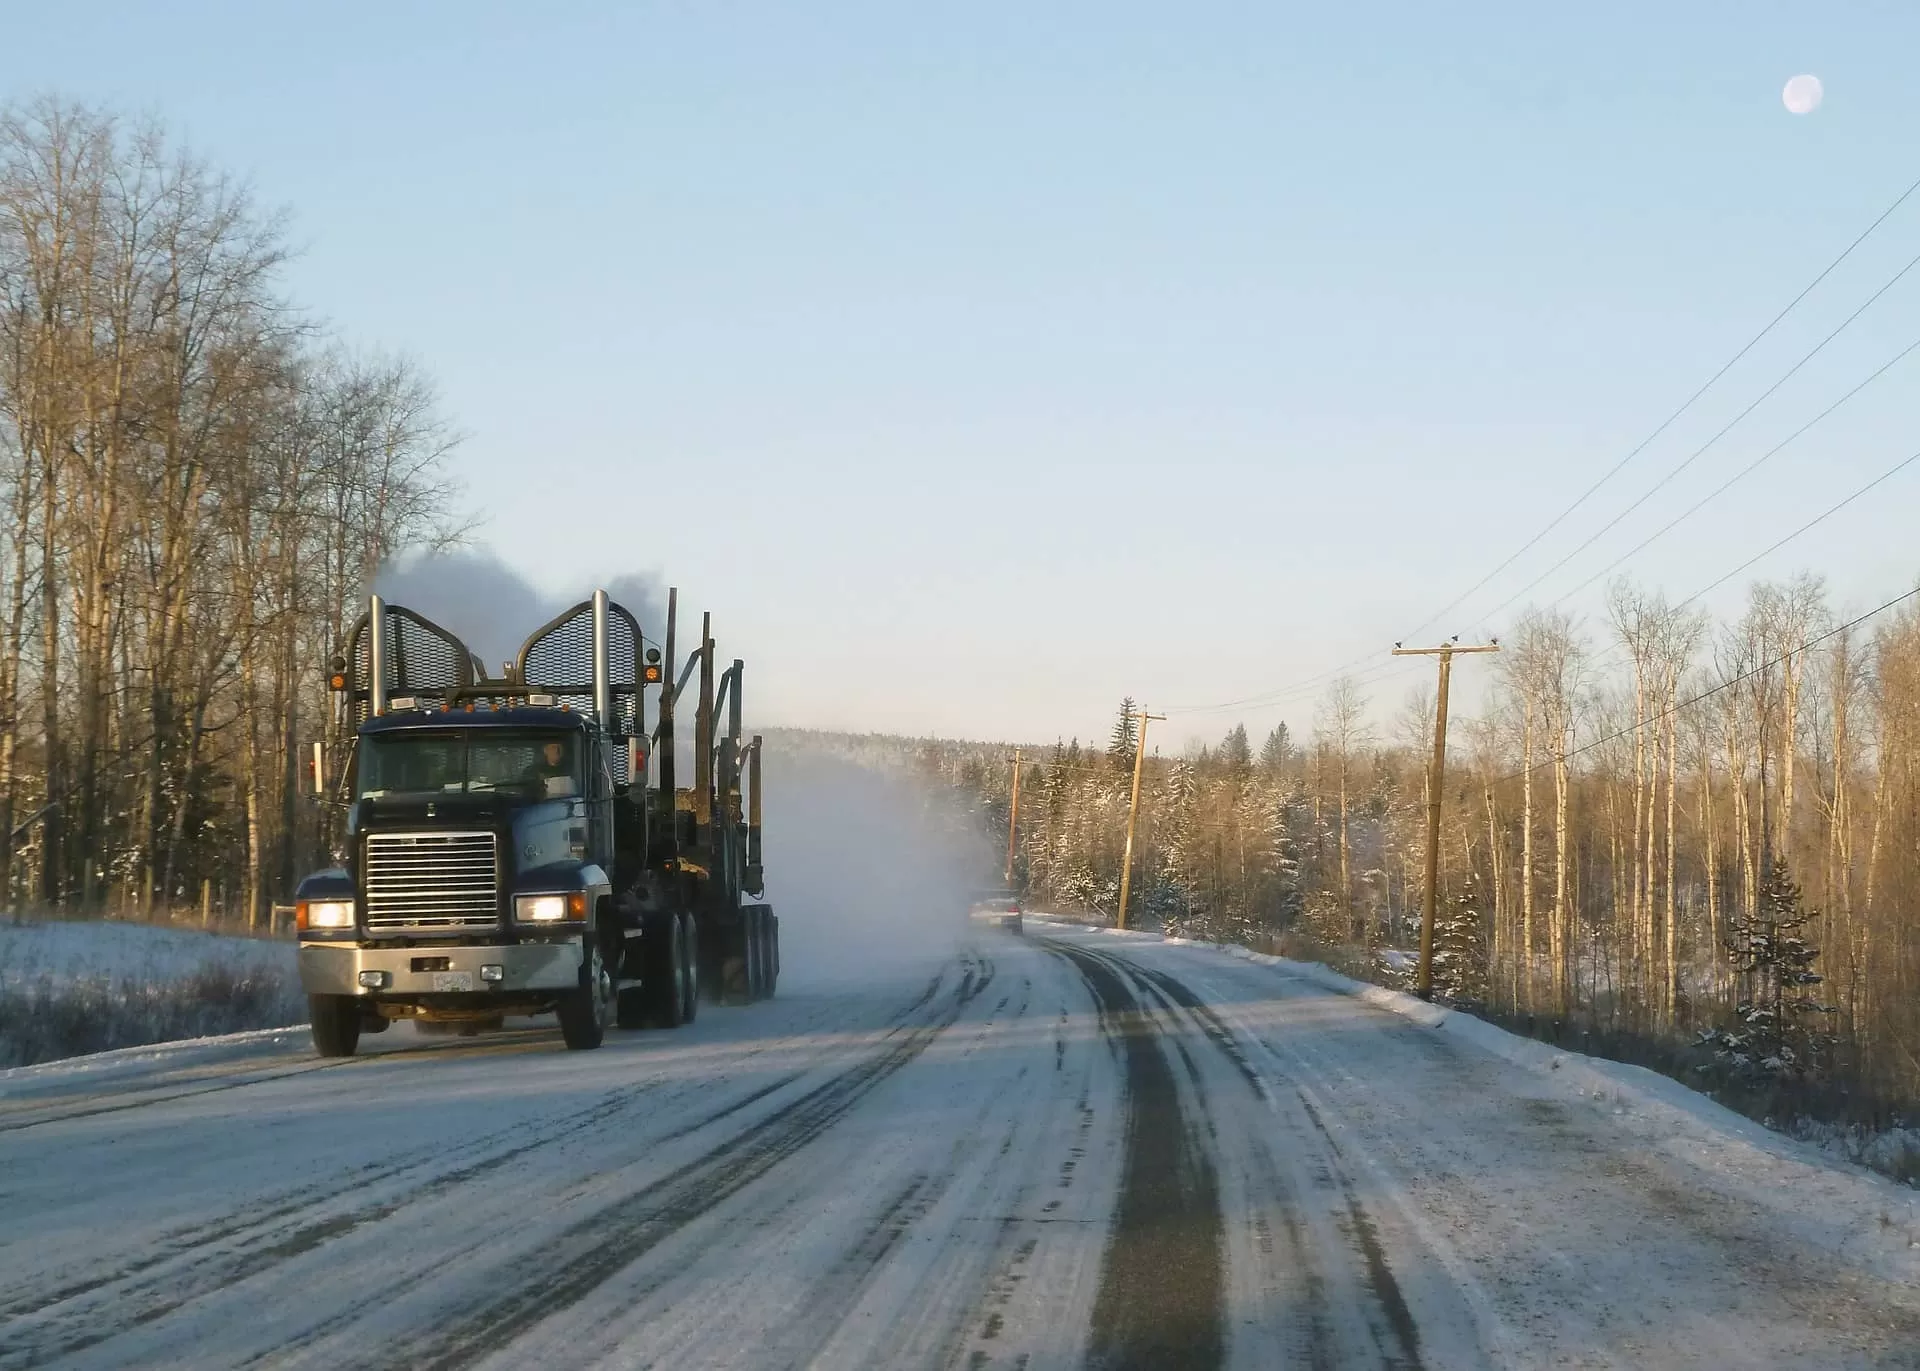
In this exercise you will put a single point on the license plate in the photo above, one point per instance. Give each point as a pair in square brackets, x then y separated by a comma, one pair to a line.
[453, 980]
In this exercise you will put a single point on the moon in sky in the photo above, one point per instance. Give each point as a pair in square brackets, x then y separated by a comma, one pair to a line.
[1802, 95]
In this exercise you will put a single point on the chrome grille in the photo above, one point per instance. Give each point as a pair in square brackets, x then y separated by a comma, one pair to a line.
[432, 880]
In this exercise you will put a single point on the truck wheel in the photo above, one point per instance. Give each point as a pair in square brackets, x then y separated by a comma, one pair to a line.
[757, 961]
[735, 963]
[584, 1011]
[749, 957]
[336, 1024]
[665, 982]
[689, 968]
[773, 953]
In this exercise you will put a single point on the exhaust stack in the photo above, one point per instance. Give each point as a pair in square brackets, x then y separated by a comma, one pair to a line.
[602, 676]
[377, 655]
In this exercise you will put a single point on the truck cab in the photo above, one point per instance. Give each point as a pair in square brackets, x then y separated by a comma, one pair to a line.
[479, 853]
[502, 852]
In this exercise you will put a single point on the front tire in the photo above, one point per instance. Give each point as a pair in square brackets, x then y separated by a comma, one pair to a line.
[584, 1012]
[336, 1024]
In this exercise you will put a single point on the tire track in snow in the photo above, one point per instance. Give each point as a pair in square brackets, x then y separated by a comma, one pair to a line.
[30, 1113]
[1379, 1279]
[197, 1260]
[88, 1107]
[184, 1269]
[559, 1273]
[1161, 1305]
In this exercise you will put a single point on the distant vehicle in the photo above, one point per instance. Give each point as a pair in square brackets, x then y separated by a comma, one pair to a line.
[1000, 909]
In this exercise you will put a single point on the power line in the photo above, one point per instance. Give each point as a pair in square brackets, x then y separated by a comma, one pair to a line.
[1710, 693]
[1308, 683]
[1286, 695]
[1613, 651]
[1817, 519]
[1893, 471]
[1303, 685]
[1701, 451]
[1727, 484]
[1690, 401]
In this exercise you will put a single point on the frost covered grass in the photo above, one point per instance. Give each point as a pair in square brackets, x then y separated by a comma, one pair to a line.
[69, 988]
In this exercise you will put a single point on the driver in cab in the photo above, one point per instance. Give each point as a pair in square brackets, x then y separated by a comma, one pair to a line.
[552, 772]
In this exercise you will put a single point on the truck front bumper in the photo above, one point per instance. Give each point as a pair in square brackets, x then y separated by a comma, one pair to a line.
[334, 969]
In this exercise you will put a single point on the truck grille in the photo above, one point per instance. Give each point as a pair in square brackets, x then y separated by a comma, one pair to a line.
[432, 880]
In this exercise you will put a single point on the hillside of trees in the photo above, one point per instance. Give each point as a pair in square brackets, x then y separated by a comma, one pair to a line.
[196, 482]
[1659, 830]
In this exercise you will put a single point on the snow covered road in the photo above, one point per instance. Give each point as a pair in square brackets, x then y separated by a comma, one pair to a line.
[1059, 1151]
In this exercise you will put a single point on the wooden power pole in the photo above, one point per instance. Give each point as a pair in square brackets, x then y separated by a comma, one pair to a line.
[1013, 818]
[1436, 776]
[1133, 810]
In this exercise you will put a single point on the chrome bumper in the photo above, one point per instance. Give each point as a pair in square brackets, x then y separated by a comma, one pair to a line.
[334, 969]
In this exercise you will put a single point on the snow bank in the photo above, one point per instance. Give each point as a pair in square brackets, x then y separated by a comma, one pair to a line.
[73, 988]
[102, 1068]
[79, 949]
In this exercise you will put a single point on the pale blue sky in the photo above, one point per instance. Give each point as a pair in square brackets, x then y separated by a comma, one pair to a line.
[977, 366]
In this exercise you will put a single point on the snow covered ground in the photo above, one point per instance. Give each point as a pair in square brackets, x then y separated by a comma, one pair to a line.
[81, 949]
[68, 987]
[1065, 1150]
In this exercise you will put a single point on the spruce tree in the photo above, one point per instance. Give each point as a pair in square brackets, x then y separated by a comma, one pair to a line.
[1277, 751]
[1236, 754]
[1126, 737]
[1780, 1033]
[1460, 949]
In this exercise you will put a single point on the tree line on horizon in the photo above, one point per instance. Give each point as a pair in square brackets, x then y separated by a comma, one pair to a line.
[1657, 826]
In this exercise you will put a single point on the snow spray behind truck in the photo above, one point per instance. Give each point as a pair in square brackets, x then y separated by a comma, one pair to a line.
[505, 852]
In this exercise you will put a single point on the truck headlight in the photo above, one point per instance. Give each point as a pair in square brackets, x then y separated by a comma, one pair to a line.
[549, 909]
[323, 914]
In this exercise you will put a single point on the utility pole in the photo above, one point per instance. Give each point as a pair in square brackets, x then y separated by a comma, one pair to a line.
[1013, 819]
[1436, 776]
[1133, 810]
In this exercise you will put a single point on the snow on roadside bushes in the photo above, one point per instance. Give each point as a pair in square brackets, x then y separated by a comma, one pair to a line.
[70, 988]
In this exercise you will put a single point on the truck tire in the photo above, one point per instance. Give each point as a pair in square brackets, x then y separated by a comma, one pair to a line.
[754, 934]
[689, 968]
[773, 953]
[762, 956]
[584, 1011]
[665, 982]
[736, 962]
[336, 1024]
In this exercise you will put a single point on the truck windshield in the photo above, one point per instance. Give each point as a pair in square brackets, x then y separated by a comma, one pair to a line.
[412, 763]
